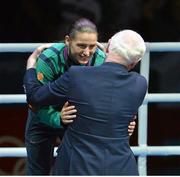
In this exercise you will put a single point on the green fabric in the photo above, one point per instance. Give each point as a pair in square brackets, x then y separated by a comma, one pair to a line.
[100, 57]
[50, 116]
[48, 65]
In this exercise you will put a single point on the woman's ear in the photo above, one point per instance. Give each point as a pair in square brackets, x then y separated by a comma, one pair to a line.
[67, 40]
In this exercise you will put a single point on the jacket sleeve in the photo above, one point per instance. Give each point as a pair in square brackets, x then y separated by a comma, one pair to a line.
[39, 95]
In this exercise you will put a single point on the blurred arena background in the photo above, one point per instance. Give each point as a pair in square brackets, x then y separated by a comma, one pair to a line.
[24, 21]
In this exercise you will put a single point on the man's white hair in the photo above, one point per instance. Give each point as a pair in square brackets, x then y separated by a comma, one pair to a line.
[128, 44]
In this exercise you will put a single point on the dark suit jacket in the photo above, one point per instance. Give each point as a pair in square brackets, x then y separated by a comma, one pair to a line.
[106, 98]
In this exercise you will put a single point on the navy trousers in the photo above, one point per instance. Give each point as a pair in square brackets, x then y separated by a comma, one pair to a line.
[40, 141]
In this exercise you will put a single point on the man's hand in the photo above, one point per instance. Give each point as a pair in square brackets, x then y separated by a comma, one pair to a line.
[132, 126]
[67, 116]
[67, 113]
[101, 46]
[31, 62]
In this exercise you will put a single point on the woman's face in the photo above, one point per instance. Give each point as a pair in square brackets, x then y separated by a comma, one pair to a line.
[82, 46]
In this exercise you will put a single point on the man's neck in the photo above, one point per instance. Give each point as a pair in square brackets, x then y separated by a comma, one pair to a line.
[111, 57]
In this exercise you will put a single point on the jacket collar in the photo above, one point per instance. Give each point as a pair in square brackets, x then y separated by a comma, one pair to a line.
[116, 65]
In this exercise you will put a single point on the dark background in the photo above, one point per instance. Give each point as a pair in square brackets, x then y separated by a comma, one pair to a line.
[49, 20]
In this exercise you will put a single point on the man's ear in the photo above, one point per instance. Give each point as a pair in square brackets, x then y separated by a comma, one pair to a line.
[132, 65]
[107, 48]
[67, 40]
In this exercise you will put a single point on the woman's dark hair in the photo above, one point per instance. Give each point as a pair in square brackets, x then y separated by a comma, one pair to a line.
[82, 25]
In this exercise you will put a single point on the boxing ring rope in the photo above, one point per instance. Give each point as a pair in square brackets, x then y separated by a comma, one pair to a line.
[142, 150]
[18, 47]
[149, 98]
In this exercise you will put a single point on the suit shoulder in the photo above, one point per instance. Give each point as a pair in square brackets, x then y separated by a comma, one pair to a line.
[74, 69]
[139, 78]
[80, 70]
[143, 81]
[137, 75]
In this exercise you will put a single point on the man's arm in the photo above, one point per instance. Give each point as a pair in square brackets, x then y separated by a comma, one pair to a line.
[68, 114]
[43, 95]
